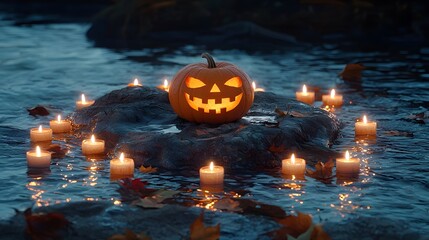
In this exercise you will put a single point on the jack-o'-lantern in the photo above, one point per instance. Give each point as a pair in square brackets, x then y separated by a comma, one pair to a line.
[211, 93]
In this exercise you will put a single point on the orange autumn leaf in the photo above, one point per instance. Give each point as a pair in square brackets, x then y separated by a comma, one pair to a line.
[130, 235]
[352, 72]
[45, 225]
[299, 227]
[201, 232]
[149, 169]
[323, 171]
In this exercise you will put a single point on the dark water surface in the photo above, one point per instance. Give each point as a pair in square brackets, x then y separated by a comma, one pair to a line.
[52, 64]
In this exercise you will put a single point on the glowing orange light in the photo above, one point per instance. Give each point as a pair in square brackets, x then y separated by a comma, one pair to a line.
[165, 84]
[121, 157]
[211, 166]
[38, 151]
[92, 138]
[59, 118]
[254, 85]
[40, 128]
[292, 159]
[304, 89]
[347, 155]
[83, 98]
[136, 82]
[364, 119]
[333, 93]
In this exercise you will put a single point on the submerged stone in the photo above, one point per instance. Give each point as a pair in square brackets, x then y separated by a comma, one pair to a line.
[141, 122]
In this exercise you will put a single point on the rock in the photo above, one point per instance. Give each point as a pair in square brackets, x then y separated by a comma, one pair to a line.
[141, 122]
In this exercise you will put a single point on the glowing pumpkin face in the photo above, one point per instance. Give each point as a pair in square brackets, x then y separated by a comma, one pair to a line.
[214, 93]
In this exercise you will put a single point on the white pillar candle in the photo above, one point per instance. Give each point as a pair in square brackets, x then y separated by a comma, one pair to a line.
[60, 126]
[83, 103]
[92, 146]
[348, 166]
[135, 83]
[305, 96]
[40, 134]
[332, 100]
[211, 175]
[365, 128]
[38, 158]
[293, 166]
[121, 167]
[256, 89]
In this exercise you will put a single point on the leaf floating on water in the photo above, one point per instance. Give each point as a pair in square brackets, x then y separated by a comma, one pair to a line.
[323, 171]
[201, 232]
[38, 111]
[45, 225]
[149, 169]
[228, 204]
[156, 199]
[399, 133]
[56, 150]
[299, 227]
[352, 72]
[134, 187]
[253, 207]
[418, 117]
[130, 235]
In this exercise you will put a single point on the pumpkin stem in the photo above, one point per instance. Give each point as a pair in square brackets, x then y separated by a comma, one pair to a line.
[210, 61]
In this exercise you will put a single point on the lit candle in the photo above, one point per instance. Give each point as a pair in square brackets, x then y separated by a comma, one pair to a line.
[166, 87]
[83, 103]
[92, 146]
[121, 167]
[256, 89]
[365, 128]
[211, 175]
[293, 166]
[40, 134]
[305, 96]
[348, 166]
[59, 125]
[38, 158]
[332, 100]
[135, 83]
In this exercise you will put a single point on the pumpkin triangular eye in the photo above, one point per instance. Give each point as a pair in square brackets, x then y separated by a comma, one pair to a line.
[192, 82]
[234, 82]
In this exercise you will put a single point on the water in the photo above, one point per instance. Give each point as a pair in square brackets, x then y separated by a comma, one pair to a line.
[52, 64]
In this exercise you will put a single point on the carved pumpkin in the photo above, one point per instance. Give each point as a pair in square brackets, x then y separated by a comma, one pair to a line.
[211, 93]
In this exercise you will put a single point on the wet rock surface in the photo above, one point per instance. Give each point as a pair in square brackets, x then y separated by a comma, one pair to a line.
[141, 122]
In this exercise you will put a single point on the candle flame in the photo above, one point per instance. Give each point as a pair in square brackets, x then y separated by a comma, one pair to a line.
[254, 85]
[59, 118]
[136, 82]
[211, 166]
[333, 93]
[83, 98]
[165, 84]
[292, 158]
[92, 138]
[304, 89]
[121, 157]
[364, 119]
[347, 155]
[38, 151]
[40, 128]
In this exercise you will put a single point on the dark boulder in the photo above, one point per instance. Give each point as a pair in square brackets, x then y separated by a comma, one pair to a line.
[141, 122]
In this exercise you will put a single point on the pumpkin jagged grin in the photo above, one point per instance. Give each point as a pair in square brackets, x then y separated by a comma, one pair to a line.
[211, 105]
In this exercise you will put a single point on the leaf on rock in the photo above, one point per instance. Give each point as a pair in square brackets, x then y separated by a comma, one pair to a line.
[228, 204]
[352, 72]
[299, 227]
[149, 169]
[201, 232]
[38, 111]
[45, 225]
[323, 171]
[130, 235]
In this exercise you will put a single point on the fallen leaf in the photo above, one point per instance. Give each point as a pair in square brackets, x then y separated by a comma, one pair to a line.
[132, 188]
[45, 225]
[149, 169]
[228, 204]
[156, 199]
[352, 72]
[56, 150]
[323, 171]
[299, 227]
[148, 203]
[201, 232]
[130, 235]
[253, 207]
[399, 133]
[417, 117]
[38, 111]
